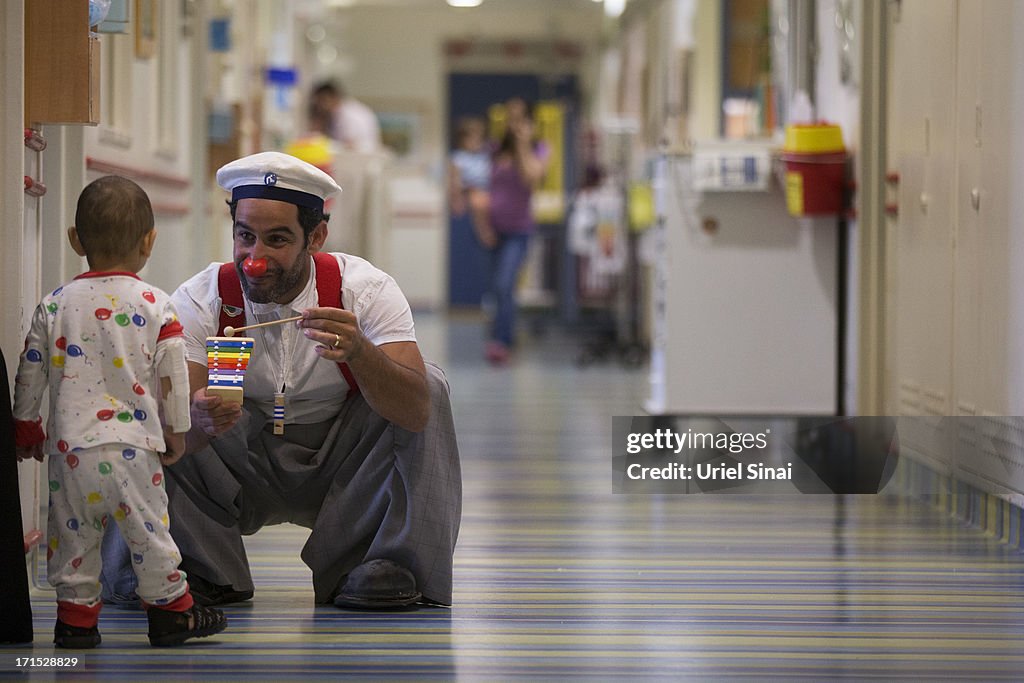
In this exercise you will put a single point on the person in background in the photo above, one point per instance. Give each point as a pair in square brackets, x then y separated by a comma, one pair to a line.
[110, 350]
[349, 121]
[16, 626]
[469, 176]
[517, 168]
[315, 145]
[320, 113]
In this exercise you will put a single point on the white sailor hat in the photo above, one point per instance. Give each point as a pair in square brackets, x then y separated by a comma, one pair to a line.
[273, 175]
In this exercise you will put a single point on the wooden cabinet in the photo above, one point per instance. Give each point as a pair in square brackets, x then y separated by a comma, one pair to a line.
[956, 317]
[953, 121]
[921, 126]
[62, 64]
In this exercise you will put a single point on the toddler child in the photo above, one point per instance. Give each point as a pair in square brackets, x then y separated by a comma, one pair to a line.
[109, 348]
[470, 177]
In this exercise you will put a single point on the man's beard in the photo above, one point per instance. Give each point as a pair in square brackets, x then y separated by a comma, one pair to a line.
[280, 286]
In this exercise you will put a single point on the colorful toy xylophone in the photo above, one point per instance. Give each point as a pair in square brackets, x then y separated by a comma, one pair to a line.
[226, 361]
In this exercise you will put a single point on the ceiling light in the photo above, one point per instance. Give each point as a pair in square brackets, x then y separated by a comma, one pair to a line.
[614, 8]
[315, 33]
[465, 3]
[327, 54]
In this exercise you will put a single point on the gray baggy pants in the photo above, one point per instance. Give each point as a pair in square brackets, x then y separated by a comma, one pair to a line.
[365, 488]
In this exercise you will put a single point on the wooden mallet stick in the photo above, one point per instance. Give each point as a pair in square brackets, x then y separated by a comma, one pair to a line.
[230, 331]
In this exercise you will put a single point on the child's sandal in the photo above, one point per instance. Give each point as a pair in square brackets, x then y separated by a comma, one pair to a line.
[77, 637]
[172, 628]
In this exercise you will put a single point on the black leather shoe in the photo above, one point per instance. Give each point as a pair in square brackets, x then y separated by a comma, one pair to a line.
[206, 593]
[378, 584]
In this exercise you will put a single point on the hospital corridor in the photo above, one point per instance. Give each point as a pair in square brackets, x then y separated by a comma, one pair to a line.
[557, 578]
[512, 340]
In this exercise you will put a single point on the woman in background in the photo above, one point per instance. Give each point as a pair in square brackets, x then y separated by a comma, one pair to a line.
[517, 168]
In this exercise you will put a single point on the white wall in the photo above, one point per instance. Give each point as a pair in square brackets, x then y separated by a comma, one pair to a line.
[707, 86]
[12, 208]
[838, 102]
[12, 169]
[37, 255]
[390, 54]
[158, 158]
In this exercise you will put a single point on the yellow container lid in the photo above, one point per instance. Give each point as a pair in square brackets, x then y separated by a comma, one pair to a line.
[813, 138]
[315, 149]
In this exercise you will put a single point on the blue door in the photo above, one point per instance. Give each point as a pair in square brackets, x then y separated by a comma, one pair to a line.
[472, 95]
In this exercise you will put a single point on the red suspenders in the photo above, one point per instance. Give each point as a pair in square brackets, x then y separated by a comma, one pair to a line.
[328, 291]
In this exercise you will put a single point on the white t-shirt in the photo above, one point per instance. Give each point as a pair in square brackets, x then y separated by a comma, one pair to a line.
[282, 356]
[356, 127]
[474, 168]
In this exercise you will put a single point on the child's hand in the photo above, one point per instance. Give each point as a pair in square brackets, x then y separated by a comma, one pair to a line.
[458, 204]
[175, 444]
[33, 452]
[486, 236]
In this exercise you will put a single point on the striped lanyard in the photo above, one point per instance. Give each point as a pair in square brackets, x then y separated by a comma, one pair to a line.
[282, 375]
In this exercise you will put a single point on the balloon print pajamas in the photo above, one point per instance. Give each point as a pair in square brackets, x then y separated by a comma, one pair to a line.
[100, 345]
[93, 487]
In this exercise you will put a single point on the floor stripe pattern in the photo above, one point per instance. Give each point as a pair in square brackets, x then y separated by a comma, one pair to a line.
[558, 578]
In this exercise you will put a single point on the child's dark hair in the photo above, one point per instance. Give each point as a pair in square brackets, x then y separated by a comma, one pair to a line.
[464, 126]
[113, 215]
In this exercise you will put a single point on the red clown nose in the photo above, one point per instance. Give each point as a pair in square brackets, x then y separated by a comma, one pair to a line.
[254, 268]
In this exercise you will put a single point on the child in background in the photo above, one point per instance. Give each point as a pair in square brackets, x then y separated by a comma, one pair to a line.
[470, 176]
[110, 350]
